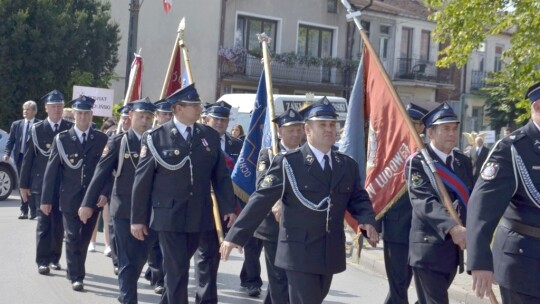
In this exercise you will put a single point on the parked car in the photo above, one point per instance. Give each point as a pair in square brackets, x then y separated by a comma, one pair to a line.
[8, 170]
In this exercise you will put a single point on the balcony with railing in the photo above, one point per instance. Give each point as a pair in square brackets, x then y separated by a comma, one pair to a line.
[410, 69]
[250, 67]
[479, 80]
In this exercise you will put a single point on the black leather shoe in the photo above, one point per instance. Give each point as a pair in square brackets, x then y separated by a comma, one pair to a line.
[43, 269]
[77, 286]
[159, 289]
[55, 266]
[254, 291]
[23, 216]
[33, 216]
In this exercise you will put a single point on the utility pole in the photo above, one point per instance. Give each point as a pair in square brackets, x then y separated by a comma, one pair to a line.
[134, 8]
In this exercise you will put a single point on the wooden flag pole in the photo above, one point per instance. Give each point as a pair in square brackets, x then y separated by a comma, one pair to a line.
[265, 40]
[129, 91]
[447, 202]
[215, 207]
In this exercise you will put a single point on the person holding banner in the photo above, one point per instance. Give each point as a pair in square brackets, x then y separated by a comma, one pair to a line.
[436, 239]
[207, 255]
[117, 167]
[290, 132]
[396, 226]
[508, 188]
[316, 186]
[73, 159]
[179, 162]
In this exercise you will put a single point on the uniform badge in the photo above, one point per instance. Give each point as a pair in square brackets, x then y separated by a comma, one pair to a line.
[48, 146]
[261, 166]
[205, 144]
[416, 179]
[309, 159]
[105, 151]
[176, 152]
[230, 142]
[126, 155]
[268, 181]
[489, 171]
[71, 160]
[143, 151]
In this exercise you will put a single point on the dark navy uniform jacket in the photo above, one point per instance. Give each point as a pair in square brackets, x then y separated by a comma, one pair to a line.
[120, 198]
[396, 222]
[305, 243]
[430, 244]
[74, 182]
[34, 162]
[233, 146]
[168, 200]
[500, 191]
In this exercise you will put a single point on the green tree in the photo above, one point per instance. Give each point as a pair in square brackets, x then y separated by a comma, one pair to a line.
[53, 44]
[464, 24]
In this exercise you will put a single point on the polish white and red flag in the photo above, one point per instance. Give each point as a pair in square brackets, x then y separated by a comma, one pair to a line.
[167, 5]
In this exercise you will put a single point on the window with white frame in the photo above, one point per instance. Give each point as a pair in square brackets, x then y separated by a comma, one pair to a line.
[314, 41]
[247, 28]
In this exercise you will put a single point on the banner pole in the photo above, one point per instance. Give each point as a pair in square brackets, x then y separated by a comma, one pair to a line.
[265, 40]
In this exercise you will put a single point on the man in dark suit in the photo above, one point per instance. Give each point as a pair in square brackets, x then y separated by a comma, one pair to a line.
[436, 238]
[396, 226]
[73, 159]
[17, 144]
[50, 229]
[117, 165]
[207, 255]
[179, 162]
[290, 132]
[508, 188]
[316, 186]
[478, 156]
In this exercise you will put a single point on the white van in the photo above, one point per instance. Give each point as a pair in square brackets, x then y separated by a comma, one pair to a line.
[242, 104]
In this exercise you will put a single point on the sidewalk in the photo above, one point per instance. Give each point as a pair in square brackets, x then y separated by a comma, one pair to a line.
[373, 259]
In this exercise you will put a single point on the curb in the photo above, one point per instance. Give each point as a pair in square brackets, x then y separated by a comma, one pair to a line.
[373, 260]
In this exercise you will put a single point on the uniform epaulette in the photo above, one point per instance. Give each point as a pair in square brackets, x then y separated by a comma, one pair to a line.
[62, 132]
[343, 154]
[288, 152]
[39, 123]
[117, 137]
[516, 136]
[154, 129]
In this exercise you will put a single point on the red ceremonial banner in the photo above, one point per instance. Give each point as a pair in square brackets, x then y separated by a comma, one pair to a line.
[175, 82]
[136, 73]
[389, 141]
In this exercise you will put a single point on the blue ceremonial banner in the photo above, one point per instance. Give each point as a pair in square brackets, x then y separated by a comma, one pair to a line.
[243, 175]
[352, 141]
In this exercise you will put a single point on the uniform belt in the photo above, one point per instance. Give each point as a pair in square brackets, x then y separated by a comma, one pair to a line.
[521, 228]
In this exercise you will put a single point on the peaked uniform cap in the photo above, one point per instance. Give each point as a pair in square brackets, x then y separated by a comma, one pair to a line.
[288, 118]
[163, 106]
[416, 112]
[143, 105]
[220, 109]
[53, 97]
[124, 111]
[319, 110]
[533, 93]
[187, 94]
[83, 103]
[439, 115]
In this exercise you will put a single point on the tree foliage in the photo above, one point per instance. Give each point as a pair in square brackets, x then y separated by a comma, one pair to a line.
[464, 24]
[53, 44]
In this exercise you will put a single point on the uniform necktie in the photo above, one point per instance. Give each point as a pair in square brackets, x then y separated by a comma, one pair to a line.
[25, 136]
[55, 127]
[449, 162]
[327, 170]
[83, 139]
[478, 151]
[188, 135]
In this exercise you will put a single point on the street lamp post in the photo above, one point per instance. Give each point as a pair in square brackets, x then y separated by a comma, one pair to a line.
[134, 8]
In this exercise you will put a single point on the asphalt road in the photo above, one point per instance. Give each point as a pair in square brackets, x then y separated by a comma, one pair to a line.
[20, 282]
